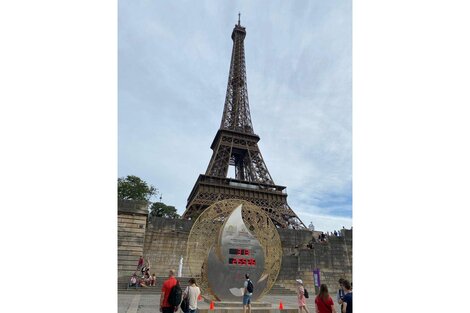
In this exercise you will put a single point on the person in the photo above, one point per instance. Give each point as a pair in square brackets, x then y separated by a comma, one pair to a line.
[340, 294]
[347, 299]
[141, 263]
[323, 301]
[310, 244]
[133, 281]
[166, 307]
[301, 297]
[144, 282]
[153, 280]
[296, 250]
[147, 280]
[247, 294]
[192, 292]
[146, 268]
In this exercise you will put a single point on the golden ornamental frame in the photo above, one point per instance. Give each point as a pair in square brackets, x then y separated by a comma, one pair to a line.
[205, 231]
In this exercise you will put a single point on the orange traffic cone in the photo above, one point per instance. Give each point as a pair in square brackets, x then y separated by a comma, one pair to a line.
[281, 307]
[211, 307]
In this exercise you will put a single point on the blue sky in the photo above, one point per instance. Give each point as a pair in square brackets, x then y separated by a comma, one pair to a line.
[174, 58]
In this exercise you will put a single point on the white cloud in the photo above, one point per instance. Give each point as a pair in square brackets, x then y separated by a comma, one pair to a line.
[172, 81]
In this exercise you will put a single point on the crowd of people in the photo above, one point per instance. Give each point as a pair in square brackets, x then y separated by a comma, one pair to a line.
[323, 236]
[192, 294]
[323, 301]
[144, 279]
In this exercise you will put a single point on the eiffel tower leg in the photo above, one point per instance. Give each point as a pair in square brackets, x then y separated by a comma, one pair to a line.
[220, 161]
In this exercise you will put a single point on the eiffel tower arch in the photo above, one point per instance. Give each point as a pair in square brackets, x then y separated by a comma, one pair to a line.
[236, 144]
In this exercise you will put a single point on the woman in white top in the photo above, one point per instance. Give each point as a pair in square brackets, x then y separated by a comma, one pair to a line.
[192, 292]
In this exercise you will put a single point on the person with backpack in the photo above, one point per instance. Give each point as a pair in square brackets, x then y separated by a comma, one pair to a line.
[323, 302]
[169, 295]
[247, 293]
[302, 302]
[190, 297]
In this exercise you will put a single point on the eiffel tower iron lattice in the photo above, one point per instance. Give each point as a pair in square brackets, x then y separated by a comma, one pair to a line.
[236, 144]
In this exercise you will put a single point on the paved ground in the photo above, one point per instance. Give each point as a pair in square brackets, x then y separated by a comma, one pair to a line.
[149, 303]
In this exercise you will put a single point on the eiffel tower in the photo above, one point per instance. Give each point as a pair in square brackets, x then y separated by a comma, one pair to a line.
[236, 144]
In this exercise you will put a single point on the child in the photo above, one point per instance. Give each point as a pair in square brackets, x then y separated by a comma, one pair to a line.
[153, 280]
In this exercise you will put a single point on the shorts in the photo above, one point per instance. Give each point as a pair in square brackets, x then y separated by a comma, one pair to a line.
[246, 299]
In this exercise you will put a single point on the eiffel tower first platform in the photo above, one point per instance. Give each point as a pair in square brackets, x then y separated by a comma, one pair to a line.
[236, 144]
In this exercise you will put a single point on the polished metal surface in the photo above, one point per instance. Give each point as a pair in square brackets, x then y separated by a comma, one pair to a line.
[229, 239]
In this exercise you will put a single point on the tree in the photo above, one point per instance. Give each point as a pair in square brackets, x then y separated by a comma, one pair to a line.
[134, 188]
[162, 210]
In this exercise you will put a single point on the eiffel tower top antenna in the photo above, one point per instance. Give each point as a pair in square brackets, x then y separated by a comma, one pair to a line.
[238, 18]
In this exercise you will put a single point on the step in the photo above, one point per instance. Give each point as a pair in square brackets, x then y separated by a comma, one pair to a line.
[238, 304]
[156, 290]
[240, 310]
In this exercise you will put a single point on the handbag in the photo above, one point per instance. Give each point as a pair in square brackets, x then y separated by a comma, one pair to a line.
[185, 302]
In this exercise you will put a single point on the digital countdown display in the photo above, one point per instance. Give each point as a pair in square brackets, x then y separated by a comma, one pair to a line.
[241, 261]
[239, 251]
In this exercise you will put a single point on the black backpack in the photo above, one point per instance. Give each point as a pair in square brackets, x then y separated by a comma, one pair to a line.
[249, 287]
[305, 293]
[174, 299]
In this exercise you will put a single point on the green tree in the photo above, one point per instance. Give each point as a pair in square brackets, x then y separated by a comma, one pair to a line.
[162, 210]
[134, 188]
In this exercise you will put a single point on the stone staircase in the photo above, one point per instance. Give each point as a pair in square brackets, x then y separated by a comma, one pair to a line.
[277, 289]
[122, 287]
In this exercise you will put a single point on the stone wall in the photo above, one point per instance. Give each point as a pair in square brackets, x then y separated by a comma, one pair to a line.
[165, 242]
[333, 258]
[132, 220]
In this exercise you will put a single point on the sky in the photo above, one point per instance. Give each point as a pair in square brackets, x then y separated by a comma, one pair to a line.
[173, 64]
[58, 128]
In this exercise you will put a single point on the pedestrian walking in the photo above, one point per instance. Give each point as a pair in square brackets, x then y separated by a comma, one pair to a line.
[165, 306]
[323, 302]
[192, 293]
[140, 264]
[302, 302]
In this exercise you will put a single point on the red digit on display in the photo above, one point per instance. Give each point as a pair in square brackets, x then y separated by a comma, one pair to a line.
[234, 261]
[239, 251]
[247, 252]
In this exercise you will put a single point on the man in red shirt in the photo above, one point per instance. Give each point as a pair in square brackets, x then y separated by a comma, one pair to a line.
[165, 307]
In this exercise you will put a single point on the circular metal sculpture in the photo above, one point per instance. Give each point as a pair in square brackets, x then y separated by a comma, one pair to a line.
[231, 238]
